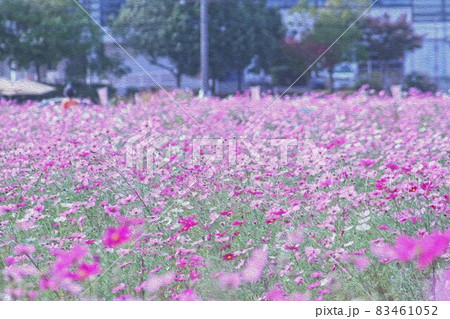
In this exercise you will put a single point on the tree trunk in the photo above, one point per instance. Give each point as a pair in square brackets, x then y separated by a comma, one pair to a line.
[213, 88]
[178, 76]
[384, 75]
[239, 80]
[38, 72]
[330, 73]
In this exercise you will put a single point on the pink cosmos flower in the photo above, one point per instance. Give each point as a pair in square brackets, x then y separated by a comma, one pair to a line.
[425, 249]
[116, 236]
[118, 288]
[338, 142]
[24, 249]
[187, 223]
[62, 276]
[314, 285]
[227, 213]
[294, 238]
[299, 280]
[271, 220]
[67, 258]
[8, 208]
[230, 280]
[228, 257]
[392, 166]
[300, 297]
[361, 262]
[156, 282]
[323, 292]
[10, 260]
[255, 266]
[124, 298]
[85, 271]
[17, 272]
[367, 162]
[186, 295]
[195, 275]
[431, 247]
[276, 294]
[405, 248]
[112, 210]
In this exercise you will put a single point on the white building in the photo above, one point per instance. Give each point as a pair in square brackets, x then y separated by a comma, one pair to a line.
[430, 18]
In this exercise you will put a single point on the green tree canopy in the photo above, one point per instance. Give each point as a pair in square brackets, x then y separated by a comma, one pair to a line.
[161, 29]
[42, 33]
[181, 36]
[241, 31]
[331, 30]
[238, 31]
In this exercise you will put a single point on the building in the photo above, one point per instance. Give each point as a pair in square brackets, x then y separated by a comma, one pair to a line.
[430, 18]
[102, 10]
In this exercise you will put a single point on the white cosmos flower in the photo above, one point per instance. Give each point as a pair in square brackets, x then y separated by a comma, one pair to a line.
[363, 227]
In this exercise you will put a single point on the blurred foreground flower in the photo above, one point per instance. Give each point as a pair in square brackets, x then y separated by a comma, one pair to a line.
[116, 236]
[424, 249]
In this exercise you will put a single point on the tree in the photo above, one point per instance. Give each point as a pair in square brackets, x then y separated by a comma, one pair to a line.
[5, 37]
[181, 36]
[297, 56]
[266, 30]
[387, 40]
[330, 24]
[94, 63]
[269, 30]
[223, 26]
[43, 33]
[239, 30]
[162, 29]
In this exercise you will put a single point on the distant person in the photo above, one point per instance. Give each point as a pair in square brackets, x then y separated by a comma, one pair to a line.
[69, 101]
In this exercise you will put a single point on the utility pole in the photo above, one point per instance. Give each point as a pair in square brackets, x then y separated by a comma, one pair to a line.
[204, 47]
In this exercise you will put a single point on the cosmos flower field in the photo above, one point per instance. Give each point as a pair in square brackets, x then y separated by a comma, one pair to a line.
[358, 210]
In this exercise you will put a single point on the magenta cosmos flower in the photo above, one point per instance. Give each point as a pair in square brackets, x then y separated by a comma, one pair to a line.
[116, 236]
[229, 256]
[85, 271]
[425, 249]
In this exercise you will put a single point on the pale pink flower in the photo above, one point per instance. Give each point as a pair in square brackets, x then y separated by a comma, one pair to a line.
[24, 249]
[156, 282]
[118, 288]
[230, 280]
[186, 295]
[255, 266]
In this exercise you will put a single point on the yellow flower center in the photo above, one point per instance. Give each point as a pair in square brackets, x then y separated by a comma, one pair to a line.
[82, 273]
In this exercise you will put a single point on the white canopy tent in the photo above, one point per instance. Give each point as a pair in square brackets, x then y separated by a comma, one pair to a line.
[23, 87]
